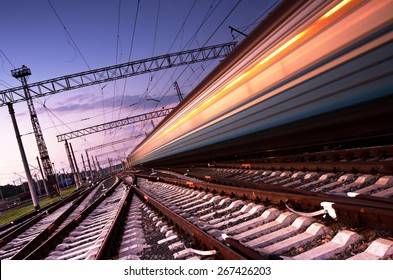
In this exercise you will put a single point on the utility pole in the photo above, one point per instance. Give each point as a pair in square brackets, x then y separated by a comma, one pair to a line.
[84, 167]
[38, 185]
[95, 167]
[71, 164]
[88, 162]
[65, 178]
[110, 165]
[76, 166]
[99, 167]
[24, 159]
[43, 178]
[21, 74]
[57, 178]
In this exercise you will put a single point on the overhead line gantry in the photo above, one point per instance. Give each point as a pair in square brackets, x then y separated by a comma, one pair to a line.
[28, 92]
[113, 124]
[111, 73]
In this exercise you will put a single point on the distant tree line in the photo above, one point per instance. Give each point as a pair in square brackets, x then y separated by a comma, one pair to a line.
[11, 190]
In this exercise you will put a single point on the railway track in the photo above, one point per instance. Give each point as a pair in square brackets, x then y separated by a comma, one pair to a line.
[20, 238]
[325, 182]
[267, 231]
[116, 223]
[171, 216]
[348, 172]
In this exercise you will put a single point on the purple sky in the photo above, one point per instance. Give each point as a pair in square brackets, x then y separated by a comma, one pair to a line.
[32, 35]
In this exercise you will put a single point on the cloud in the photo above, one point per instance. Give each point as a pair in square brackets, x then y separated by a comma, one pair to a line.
[86, 102]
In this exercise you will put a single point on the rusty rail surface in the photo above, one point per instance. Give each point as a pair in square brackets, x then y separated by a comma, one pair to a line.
[371, 167]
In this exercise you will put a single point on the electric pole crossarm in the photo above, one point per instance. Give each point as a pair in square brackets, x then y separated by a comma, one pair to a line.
[113, 124]
[114, 142]
[106, 74]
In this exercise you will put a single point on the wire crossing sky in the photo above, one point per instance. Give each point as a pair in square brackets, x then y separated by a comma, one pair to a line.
[56, 38]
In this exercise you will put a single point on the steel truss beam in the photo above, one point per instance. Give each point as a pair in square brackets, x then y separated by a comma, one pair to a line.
[113, 124]
[106, 74]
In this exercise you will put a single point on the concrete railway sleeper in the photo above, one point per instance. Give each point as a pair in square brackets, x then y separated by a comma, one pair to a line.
[30, 235]
[142, 217]
[116, 225]
[264, 230]
[339, 183]
[90, 212]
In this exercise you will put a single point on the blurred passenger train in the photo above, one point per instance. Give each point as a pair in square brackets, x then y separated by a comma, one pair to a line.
[312, 72]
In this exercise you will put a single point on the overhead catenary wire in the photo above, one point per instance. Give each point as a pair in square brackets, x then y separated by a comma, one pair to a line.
[78, 50]
[193, 37]
[49, 111]
[257, 20]
[170, 48]
[9, 61]
[209, 12]
[222, 22]
[117, 54]
[68, 33]
[214, 32]
[151, 75]
[150, 79]
[5, 83]
[206, 17]
[125, 80]
[130, 53]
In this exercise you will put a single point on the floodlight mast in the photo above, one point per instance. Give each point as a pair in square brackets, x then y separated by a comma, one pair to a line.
[96, 76]
[22, 74]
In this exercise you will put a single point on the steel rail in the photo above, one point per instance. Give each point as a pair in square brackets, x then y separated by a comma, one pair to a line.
[360, 211]
[209, 241]
[32, 218]
[371, 167]
[105, 250]
[43, 250]
[47, 232]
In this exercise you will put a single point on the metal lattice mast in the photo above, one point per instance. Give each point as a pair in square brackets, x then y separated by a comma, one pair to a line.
[43, 177]
[84, 166]
[95, 167]
[88, 162]
[21, 74]
[99, 167]
[69, 156]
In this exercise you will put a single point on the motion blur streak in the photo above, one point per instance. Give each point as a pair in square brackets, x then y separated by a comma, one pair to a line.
[316, 58]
